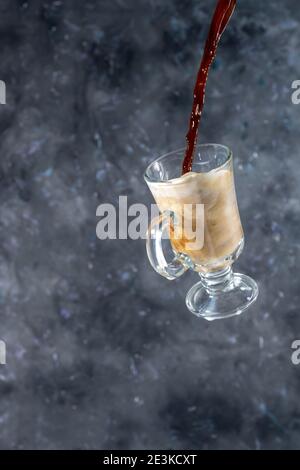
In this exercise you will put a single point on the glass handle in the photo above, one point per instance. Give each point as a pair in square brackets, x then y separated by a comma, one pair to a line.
[158, 229]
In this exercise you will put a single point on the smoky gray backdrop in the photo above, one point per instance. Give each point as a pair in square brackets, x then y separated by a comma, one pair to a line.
[101, 351]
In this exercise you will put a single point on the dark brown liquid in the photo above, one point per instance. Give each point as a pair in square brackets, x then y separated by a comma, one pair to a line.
[219, 22]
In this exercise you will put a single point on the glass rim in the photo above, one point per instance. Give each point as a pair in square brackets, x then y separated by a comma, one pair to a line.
[199, 146]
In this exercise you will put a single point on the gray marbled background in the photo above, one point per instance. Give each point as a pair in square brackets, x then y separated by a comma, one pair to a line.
[101, 351]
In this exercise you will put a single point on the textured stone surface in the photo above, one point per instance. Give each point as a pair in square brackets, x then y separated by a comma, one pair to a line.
[101, 351]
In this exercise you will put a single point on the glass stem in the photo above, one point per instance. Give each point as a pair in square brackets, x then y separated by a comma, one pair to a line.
[216, 282]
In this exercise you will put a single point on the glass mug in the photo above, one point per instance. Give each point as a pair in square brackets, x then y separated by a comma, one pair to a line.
[220, 293]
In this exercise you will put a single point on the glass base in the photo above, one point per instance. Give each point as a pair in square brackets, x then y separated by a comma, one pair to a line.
[221, 295]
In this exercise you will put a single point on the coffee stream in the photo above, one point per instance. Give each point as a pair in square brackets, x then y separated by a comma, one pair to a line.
[219, 22]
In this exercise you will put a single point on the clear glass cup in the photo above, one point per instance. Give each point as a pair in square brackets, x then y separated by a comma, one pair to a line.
[210, 187]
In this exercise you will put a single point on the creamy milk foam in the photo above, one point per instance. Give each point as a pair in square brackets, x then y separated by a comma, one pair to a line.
[223, 233]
